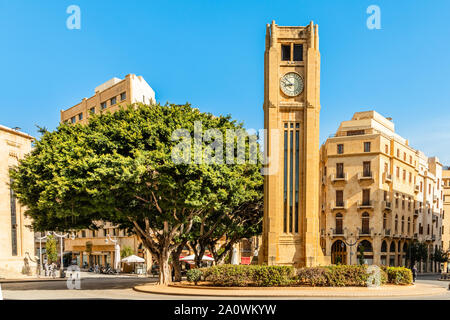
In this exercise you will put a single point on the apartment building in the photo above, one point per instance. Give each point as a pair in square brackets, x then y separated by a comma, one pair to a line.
[378, 193]
[446, 210]
[97, 247]
[109, 96]
[16, 239]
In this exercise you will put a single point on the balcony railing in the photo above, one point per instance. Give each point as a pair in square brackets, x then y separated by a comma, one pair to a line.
[387, 232]
[416, 188]
[338, 232]
[339, 177]
[364, 232]
[417, 211]
[367, 204]
[339, 205]
[387, 205]
[387, 177]
[366, 175]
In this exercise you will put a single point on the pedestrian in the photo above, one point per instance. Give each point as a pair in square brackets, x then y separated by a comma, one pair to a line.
[414, 273]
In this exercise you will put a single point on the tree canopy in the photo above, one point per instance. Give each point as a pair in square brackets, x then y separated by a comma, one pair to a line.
[120, 168]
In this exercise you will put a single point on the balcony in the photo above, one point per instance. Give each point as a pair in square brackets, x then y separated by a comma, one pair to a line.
[364, 233]
[365, 176]
[435, 198]
[365, 204]
[337, 232]
[339, 205]
[417, 212]
[339, 178]
[416, 188]
[387, 177]
[433, 237]
[416, 236]
[386, 232]
[434, 217]
[387, 205]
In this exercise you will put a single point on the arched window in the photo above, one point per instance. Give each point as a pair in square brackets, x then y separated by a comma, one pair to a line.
[392, 247]
[366, 245]
[339, 224]
[403, 224]
[365, 223]
[396, 223]
[338, 252]
[383, 246]
[405, 247]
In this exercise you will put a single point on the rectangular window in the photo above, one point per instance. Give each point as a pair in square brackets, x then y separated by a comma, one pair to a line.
[340, 148]
[103, 105]
[113, 101]
[339, 170]
[80, 117]
[366, 196]
[123, 96]
[398, 153]
[339, 198]
[13, 221]
[355, 132]
[73, 119]
[285, 179]
[298, 52]
[386, 148]
[398, 172]
[366, 146]
[92, 110]
[285, 52]
[291, 181]
[366, 169]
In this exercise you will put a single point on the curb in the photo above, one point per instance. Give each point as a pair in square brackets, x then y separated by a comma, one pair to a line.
[270, 293]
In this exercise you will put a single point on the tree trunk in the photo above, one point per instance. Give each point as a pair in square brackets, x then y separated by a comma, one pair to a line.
[165, 276]
[176, 261]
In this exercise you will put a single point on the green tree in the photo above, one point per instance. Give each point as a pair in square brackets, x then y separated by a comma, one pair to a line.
[416, 252]
[440, 256]
[361, 254]
[119, 168]
[126, 251]
[50, 249]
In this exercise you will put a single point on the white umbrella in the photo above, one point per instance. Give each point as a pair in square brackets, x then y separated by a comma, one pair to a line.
[132, 259]
[192, 257]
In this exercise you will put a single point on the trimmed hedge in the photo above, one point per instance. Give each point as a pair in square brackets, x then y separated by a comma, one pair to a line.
[337, 276]
[273, 276]
[399, 275]
[248, 275]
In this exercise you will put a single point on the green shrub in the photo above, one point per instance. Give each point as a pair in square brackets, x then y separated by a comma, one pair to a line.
[249, 275]
[336, 276]
[399, 275]
[194, 275]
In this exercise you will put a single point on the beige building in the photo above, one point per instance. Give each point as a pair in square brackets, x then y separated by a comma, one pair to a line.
[95, 247]
[16, 240]
[379, 193]
[109, 96]
[446, 211]
[291, 234]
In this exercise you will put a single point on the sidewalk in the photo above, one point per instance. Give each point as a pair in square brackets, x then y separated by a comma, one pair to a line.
[83, 275]
[384, 291]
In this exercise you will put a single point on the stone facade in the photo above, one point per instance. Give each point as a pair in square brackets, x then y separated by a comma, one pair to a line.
[446, 211]
[16, 239]
[378, 192]
[291, 118]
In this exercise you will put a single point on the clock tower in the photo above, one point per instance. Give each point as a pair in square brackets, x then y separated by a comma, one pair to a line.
[291, 233]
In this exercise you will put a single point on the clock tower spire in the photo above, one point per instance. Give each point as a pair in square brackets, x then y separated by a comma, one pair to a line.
[291, 118]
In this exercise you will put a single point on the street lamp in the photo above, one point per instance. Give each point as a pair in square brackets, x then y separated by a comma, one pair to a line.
[350, 245]
[62, 236]
[40, 251]
[116, 251]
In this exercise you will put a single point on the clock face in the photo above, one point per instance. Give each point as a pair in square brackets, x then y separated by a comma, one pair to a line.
[291, 84]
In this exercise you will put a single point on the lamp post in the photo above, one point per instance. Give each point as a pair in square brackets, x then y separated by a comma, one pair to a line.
[116, 251]
[61, 237]
[40, 251]
[350, 245]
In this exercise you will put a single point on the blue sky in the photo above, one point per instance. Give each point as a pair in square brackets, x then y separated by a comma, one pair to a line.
[210, 53]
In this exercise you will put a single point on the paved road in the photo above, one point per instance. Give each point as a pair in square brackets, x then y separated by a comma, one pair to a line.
[121, 288]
